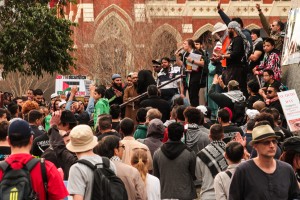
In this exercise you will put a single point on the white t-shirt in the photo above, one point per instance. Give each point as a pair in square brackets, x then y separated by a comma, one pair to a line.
[153, 187]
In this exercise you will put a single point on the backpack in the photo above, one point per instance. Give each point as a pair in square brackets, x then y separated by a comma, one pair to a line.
[16, 184]
[106, 185]
[239, 111]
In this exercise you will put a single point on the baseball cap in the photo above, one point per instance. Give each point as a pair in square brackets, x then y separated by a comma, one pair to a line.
[61, 103]
[82, 139]
[156, 62]
[19, 128]
[53, 95]
[218, 27]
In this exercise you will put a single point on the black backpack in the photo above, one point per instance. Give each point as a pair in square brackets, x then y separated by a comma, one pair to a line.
[239, 111]
[106, 185]
[16, 184]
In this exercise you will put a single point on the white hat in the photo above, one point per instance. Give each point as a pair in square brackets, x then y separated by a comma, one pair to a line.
[61, 103]
[82, 139]
[251, 113]
[53, 95]
[219, 27]
[203, 109]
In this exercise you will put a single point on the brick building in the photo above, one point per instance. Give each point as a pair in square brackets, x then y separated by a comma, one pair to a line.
[124, 35]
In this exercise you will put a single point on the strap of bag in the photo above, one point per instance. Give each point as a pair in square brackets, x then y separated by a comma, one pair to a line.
[3, 165]
[87, 163]
[30, 164]
[106, 162]
[228, 173]
[44, 176]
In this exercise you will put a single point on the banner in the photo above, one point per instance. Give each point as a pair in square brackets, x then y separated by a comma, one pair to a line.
[63, 84]
[291, 47]
[291, 107]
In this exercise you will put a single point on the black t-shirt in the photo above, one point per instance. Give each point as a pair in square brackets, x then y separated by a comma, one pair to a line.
[4, 152]
[275, 84]
[230, 131]
[195, 76]
[258, 47]
[252, 99]
[115, 126]
[237, 53]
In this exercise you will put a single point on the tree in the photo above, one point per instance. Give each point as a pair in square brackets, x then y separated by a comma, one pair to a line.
[33, 40]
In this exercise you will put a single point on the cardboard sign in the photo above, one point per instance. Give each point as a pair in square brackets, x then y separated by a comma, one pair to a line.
[63, 84]
[291, 107]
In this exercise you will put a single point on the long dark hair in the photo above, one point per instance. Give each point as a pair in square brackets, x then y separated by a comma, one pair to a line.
[145, 79]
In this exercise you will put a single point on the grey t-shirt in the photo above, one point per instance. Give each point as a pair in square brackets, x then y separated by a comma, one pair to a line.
[81, 177]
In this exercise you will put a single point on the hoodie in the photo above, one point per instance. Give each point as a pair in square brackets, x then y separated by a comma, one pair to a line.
[197, 137]
[172, 149]
[101, 107]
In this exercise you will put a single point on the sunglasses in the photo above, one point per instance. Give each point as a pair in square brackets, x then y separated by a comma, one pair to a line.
[267, 143]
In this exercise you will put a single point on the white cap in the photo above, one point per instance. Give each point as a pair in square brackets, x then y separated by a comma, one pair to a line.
[203, 109]
[53, 95]
[61, 103]
[251, 113]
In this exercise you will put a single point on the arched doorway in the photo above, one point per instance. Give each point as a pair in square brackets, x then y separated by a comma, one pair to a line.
[164, 45]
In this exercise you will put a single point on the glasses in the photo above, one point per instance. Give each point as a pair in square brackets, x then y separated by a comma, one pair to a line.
[123, 146]
[269, 91]
[267, 143]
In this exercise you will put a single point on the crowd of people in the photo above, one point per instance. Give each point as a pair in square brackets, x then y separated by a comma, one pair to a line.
[210, 127]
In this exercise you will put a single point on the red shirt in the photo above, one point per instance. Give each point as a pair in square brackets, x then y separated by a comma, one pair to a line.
[56, 187]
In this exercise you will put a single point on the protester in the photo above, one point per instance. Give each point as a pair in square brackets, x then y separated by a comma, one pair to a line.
[141, 129]
[105, 127]
[139, 160]
[4, 145]
[259, 174]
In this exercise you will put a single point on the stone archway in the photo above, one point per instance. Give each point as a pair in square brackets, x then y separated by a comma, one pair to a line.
[203, 29]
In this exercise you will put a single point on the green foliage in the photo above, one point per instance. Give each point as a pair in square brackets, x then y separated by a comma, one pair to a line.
[33, 39]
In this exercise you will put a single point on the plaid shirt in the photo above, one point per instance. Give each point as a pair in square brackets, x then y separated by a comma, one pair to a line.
[271, 61]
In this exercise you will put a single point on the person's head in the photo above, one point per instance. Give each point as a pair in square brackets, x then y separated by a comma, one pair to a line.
[116, 80]
[276, 116]
[67, 121]
[38, 96]
[259, 105]
[193, 116]
[268, 75]
[82, 139]
[277, 26]
[253, 87]
[179, 113]
[127, 126]
[18, 101]
[13, 109]
[110, 146]
[188, 45]
[62, 105]
[265, 117]
[20, 134]
[3, 130]
[99, 92]
[250, 125]
[139, 160]
[115, 111]
[264, 141]
[234, 152]
[144, 79]
[223, 116]
[129, 79]
[233, 85]
[104, 122]
[134, 78]
[3, 115]
[178, 101]
[56, 105]
[232, 29]
[156, 64]
[35, 117]
[219, 29]
[198, 44]
[238, 20]
[255, 33]
[291, 152]
[141, 115]
[272, 91]
[156, 129]
[28, 106]
[205, 110]
[216, 132]
[29, 94]
[152, 90]
[86, 101]
[165, 62]
[153, 113]
[269, 45]
[175, 131]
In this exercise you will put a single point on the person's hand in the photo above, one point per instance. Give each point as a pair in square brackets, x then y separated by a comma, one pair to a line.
[221, 83]
[261, 92]
[118, 93]
[256, 73]
[216, 79]
[238, 138]
[55, 119]
[219, 5]
[74, 89]
[182, 96]
[257, 7]
[189, 59]
[92, 88]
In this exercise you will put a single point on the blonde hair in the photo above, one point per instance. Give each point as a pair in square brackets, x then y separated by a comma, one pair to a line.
[139, 160]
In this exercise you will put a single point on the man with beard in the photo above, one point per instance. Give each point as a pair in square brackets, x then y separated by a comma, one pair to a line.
[237, 51]
[115, 93]
[129, 93]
